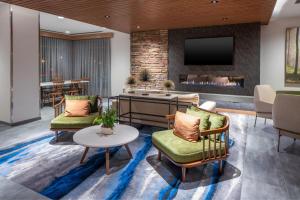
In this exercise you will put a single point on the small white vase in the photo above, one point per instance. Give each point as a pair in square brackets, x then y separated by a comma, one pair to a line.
[106, 131]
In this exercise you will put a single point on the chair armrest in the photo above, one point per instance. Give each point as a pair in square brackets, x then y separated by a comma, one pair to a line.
[212, 134]
[225, 128]
[263, 106]
[171, 119]
[59, 108]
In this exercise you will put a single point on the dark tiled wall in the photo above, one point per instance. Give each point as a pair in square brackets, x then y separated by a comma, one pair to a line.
[246, 58]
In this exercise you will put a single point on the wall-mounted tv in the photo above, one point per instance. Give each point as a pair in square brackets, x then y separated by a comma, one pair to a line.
[209, 51]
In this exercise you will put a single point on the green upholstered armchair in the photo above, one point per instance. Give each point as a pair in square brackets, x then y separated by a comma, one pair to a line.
[213, 145]
[72, 124]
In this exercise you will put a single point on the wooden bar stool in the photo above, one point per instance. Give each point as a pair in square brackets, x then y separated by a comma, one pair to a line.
[84, 85]
[74, 89]
[57, 92]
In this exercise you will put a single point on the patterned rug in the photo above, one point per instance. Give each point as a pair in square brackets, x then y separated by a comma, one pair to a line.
[53, 170]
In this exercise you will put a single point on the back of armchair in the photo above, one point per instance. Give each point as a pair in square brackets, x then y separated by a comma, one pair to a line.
[60, 107]
[189, 98]
[286, 113]
[264, 97]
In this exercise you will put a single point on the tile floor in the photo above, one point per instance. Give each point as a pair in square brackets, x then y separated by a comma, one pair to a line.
[267, 174]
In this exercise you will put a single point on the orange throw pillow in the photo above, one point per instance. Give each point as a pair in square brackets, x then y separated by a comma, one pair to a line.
[77, 108]
[187, 127]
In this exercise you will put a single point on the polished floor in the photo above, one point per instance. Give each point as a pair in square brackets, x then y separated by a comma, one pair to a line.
[267, 174]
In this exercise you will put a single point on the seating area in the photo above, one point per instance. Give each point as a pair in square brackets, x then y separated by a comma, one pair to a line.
[61, 122]
[164, 100]
[212, 145]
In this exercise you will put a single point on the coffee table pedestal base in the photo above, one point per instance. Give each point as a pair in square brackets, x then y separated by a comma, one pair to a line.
[106, 156]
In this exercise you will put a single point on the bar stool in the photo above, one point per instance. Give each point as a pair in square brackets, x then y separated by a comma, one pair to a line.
[45, 94]
[84, 85]
[74, 89]
[57, 92]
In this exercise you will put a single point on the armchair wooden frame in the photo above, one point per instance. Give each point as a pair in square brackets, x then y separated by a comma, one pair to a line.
[59, 108]
[211, 155]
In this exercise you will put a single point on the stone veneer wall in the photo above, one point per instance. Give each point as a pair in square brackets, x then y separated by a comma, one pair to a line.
[150, 50]
[162, 52]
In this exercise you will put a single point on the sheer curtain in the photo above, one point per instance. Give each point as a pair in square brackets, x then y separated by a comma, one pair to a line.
[92, 59]
[77, 59]
[56, 58]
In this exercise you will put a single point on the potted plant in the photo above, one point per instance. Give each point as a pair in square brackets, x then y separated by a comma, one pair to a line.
[145, 77]
[107, 121]
[131, 81]
[168, 85]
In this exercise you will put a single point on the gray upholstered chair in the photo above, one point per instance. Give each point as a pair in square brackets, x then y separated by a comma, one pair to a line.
[264, 97]
[286, 116]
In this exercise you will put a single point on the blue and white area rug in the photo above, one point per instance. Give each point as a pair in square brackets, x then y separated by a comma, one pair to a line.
[53, 170]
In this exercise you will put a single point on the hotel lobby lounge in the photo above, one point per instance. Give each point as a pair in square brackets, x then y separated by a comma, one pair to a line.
[150, 100]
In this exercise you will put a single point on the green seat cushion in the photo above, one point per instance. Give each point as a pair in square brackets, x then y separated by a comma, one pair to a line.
[93, 101]
[204, 118]
[182, 151]
[62, 122]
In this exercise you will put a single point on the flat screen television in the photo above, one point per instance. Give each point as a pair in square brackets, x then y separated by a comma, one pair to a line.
[209, 51]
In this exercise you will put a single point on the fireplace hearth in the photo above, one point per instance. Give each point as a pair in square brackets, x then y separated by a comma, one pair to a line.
[211, 80]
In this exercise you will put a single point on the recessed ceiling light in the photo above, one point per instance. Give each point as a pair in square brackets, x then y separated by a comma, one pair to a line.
[60, 17]
[214, 1]
[67, 32]
[138, 27]
[107, 16]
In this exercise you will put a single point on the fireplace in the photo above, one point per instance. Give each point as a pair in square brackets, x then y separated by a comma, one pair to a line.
[211, 80]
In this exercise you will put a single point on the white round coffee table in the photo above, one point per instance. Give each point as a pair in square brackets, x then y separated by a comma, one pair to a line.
[92, 138]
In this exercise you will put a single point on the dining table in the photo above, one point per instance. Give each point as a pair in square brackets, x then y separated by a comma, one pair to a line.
[48, 85]
[66, 82]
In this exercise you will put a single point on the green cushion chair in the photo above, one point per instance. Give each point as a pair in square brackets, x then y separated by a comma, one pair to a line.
[187, 154]
[72, 124]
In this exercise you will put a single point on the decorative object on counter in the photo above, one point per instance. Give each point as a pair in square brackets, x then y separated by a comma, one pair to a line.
[145, 77]
[131, 81]
[107, 121]
[169, 85]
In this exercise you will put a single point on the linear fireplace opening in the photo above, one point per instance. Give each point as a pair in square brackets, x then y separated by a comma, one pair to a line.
[211, 80]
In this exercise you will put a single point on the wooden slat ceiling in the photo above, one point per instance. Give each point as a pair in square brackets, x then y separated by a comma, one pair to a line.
[127, 15]
[84, 36]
